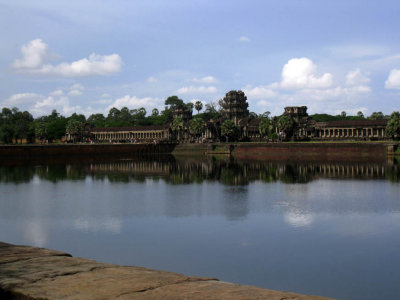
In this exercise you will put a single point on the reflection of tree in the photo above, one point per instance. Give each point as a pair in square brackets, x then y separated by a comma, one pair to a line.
[233, 174]
[52, 173]
[17, 174]
[186, 171]
[393, 173]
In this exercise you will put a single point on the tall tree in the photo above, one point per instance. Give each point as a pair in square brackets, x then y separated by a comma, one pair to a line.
[198, 106]
[376, 116]
[229, 130]
[75, 129]
[155, 112]
[285, 124]
[174, 102]
[393, 125]
[177, 127]
[97, 120]
[265, 127]
[15, 125]
[196, 127]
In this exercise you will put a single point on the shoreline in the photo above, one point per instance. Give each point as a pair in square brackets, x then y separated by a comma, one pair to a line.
[39, 273]
[259, 151]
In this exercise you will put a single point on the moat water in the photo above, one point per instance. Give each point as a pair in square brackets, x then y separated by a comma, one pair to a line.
[325, 228]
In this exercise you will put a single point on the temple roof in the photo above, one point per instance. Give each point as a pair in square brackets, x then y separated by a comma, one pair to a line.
[352, 123]
[131, 128]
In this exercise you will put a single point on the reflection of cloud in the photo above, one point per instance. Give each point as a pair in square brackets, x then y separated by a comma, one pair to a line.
[296, 219]
[112, 225]
[35, 233]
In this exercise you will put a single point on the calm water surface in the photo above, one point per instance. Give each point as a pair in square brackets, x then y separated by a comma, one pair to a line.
[327, 228]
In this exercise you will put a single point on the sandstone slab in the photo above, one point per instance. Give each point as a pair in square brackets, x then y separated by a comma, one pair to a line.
[37, 273]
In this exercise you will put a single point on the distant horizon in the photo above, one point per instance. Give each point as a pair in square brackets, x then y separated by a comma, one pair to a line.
[87, 57]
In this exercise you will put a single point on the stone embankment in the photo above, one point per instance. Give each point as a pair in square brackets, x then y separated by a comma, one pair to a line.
[37, 273]
[31, 151]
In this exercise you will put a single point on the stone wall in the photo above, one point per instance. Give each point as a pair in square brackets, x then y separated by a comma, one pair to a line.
[26, 151]
[319, 151]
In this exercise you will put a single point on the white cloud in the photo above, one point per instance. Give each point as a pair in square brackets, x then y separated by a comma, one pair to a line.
[76, 90]
[195, 100]
[58, 92]
[34, 52]
[77, 86]
[19, 99]
[259, 92]
[33, 55]
[197, 90]
[301, 86]
[103, 101]
[94, 65]
[134, 102]
[244, 39]
[206, 80]
[356, 77]
[300, 73]
[75, 93]
[151, 79]
[393, 81]
[39, 105]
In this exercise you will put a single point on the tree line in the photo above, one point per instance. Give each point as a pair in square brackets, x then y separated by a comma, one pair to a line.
[16, 125]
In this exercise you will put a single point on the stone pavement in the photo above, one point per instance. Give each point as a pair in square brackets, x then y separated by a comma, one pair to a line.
[37, 273]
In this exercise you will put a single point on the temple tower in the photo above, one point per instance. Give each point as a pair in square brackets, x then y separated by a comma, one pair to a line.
[234, 106]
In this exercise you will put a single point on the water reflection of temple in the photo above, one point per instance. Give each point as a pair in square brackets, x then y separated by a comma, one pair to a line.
[182, 171]
[242, 173]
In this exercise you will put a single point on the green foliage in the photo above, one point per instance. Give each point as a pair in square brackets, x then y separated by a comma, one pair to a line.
[41, 130]
[75, 129]
[54, 125]
[229, 130]
[76, 117]
[211, 112]
[265, 127]
[198, 106]
[285, 123]
[174, 102]
[329, 118]
[15, 124]
[265, 114]
[376, 116]
[393, 125]
[189, 106]
[155, 112]
[97, 120]
[177, 125]
[197, 126]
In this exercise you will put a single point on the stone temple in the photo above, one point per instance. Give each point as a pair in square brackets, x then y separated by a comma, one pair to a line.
[234, 107]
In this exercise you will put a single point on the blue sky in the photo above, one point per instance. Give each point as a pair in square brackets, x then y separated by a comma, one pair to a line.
[88, 56]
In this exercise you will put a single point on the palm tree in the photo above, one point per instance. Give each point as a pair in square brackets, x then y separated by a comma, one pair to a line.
[285, 124]
[74, 128]
[196, 127]
[198, 106]
[155, 112]
[177, 126]
[229, 129]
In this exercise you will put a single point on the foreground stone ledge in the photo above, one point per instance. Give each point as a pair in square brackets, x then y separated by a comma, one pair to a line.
[37, 273]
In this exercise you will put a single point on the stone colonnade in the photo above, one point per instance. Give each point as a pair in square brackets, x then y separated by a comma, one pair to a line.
[370, 132]
[139, 135]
